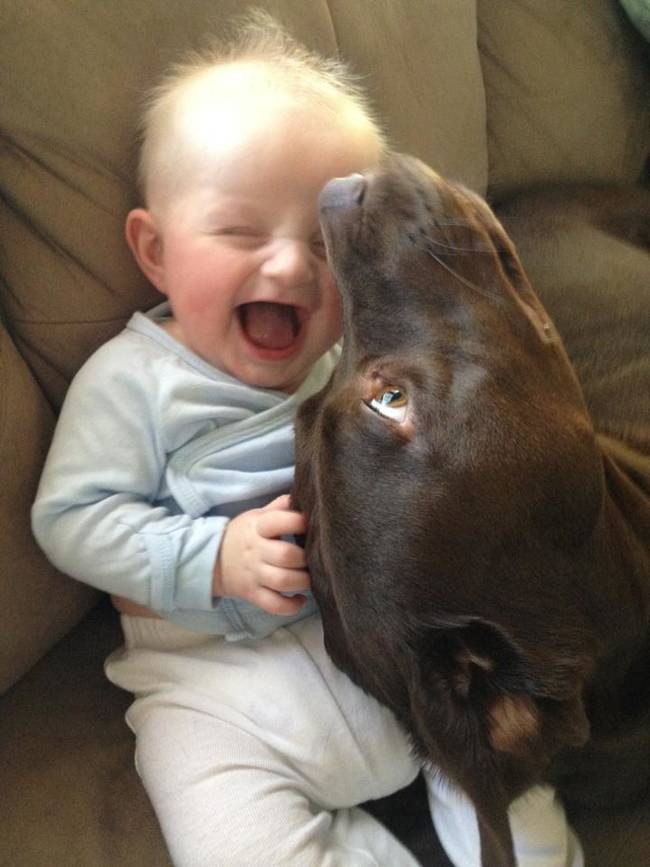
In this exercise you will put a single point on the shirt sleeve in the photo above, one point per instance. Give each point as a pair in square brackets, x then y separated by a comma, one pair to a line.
[96, 514]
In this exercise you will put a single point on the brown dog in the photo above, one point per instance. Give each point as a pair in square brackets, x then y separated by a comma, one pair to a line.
[480, 557]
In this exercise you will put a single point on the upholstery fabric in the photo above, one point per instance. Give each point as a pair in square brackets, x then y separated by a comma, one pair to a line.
[38, 604]
[566, 90]
[639, 14]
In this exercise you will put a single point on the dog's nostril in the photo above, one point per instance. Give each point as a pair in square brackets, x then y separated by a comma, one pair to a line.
[345, 192]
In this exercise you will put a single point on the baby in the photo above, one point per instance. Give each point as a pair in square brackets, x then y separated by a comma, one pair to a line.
[167, 481]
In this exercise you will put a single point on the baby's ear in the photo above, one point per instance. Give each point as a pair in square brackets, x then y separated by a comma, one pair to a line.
[143, 237]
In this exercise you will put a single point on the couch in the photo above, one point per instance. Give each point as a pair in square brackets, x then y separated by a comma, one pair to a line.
[501, 94]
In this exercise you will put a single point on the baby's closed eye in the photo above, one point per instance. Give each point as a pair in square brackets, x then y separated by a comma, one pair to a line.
[237, 230]
[242, 236]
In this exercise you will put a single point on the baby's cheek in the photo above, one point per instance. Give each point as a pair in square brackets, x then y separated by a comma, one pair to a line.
[330, 311]
[331, 295]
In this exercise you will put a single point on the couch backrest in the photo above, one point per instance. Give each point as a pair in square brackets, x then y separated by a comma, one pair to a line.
[567, 92]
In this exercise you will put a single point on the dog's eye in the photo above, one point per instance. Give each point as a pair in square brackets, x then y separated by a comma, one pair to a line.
[391, 402]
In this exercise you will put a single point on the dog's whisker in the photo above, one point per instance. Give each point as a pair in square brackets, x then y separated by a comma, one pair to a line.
[476, 247]
[453, 248]
[458, 276]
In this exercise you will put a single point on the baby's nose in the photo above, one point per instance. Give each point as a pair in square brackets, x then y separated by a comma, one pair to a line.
[290, 263]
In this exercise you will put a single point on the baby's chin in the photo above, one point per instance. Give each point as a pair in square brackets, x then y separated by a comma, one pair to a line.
[287, 385]
[274, 376]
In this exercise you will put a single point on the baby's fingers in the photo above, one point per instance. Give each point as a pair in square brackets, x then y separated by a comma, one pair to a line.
[276, 523]
[284, 580]
[285, 555]
[276, 603]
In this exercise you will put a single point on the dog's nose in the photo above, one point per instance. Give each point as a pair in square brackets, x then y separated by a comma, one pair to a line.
[343, 192]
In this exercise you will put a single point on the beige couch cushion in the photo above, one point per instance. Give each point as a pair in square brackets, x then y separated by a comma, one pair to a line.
[423, 72]
[38, 604]
[567, 92]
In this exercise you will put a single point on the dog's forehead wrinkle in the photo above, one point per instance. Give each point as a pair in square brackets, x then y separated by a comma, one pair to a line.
[407, 365]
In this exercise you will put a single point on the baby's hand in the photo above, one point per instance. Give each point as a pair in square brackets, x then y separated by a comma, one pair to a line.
[255, 564]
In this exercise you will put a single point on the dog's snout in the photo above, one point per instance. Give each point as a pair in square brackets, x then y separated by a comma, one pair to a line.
[345, 192]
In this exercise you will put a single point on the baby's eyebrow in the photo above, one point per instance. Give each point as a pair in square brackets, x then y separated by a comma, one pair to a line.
[218, 215]
[229, 210]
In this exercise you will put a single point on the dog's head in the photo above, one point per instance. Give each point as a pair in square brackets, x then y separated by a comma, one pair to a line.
[450, 475]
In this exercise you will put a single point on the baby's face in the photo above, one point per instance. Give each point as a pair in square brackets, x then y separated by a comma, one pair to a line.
[243, 260]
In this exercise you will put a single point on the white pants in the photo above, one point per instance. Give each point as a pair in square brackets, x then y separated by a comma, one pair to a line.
[539, 828]
[256, 754]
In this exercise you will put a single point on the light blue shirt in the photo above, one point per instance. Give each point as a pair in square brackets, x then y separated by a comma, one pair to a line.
[155, 450]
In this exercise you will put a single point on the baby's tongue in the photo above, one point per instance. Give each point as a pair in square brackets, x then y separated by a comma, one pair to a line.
[269, 325]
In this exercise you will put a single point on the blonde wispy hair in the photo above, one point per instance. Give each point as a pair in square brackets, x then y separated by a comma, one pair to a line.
[258, 40]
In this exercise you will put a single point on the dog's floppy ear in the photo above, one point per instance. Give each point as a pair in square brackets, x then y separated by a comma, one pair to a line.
[482, 678]
[481, 715]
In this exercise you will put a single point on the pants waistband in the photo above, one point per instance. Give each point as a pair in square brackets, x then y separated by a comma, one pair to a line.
[157, 634]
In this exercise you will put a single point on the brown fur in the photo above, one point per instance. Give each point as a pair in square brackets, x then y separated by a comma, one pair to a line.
[482, 565]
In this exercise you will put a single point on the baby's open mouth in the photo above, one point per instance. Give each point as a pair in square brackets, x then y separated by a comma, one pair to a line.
[268, 324]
